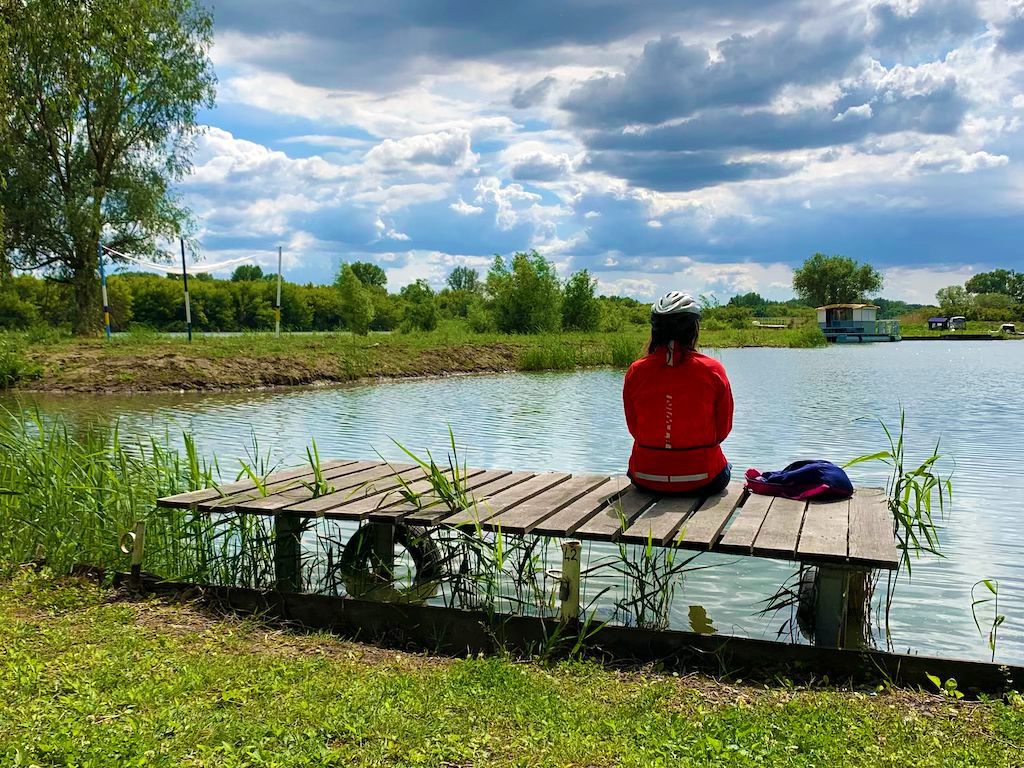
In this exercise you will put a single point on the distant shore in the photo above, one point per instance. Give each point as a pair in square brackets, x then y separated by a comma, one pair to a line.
[164, 363]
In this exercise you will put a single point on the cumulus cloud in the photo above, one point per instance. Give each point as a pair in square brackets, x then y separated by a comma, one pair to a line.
[463, 208]
[932, 25]
[541, 166]
[1011, 30]
[955, 160]
[444, 149]
[672, 79]
[533, 95]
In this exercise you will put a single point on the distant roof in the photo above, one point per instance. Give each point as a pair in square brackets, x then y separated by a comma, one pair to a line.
[937, 319]
[849, 306]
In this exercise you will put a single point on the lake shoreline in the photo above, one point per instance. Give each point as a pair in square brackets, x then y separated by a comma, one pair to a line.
[161, 364]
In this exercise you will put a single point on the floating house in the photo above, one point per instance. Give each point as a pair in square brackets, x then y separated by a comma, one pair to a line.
[854, 323]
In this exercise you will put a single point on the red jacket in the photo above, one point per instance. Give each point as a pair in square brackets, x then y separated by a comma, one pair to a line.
[677, 412]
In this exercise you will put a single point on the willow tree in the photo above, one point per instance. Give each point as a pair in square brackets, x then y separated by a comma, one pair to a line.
[104, 96]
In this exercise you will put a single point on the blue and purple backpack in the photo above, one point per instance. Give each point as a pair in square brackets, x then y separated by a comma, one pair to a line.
[814, 479]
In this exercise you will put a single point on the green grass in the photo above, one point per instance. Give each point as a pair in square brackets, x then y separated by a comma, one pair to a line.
[973, 326]
[90, 681]
[148, 361]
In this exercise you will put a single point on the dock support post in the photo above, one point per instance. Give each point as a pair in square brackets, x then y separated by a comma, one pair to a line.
[288, 553]
[840, 597]
[133, 543]
[382, 552]
[569, 589]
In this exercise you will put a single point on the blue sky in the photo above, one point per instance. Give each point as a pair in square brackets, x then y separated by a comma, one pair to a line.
[707, 146]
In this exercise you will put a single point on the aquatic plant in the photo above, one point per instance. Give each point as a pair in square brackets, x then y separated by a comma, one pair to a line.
[912, 492]
[992, 586]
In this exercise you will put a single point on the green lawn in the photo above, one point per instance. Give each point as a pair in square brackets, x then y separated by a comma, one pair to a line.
[973, 326]
[89, 680]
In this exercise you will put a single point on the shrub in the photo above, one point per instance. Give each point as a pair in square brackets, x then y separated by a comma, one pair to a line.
[13, 365]
[526, 298]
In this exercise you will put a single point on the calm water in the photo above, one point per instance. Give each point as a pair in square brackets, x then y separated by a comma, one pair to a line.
[790, 404]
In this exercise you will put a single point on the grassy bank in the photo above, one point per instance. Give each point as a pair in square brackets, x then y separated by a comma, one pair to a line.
[153, 362]
[973, 326]
[88, 679]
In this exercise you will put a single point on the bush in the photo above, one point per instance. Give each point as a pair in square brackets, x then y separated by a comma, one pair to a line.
[13, 365]
[479, 319]
[420, 307]
[15, 313]
[580, 309]
[527, 298]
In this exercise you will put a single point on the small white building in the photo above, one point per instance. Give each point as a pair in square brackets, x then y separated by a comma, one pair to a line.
[846, 323]
[837, 314]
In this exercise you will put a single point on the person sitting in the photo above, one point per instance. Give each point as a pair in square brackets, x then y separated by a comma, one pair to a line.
[678, 406]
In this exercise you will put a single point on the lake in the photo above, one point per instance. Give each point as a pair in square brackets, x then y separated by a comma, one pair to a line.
[790, 404]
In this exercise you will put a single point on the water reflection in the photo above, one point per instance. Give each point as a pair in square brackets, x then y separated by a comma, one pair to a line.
[790, 404]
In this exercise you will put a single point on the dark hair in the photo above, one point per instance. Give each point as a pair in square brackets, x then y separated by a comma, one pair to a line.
[682, 329]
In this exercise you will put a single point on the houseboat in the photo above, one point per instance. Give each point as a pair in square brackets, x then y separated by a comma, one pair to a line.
[854, 323]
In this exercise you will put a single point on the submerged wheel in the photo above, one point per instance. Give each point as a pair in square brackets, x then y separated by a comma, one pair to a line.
[363, 579]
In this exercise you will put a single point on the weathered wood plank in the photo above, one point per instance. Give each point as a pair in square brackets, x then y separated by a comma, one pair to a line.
[345, 489]
[702, 529]
[657, 524]
[607, 524]
[781, 529]
[740, 535]
[523, 518]
[491, 481]
[565, 521]
[191, 498]
[389, 504]
[272, 489]
[871, 536]
[495, 504]
[826, 530]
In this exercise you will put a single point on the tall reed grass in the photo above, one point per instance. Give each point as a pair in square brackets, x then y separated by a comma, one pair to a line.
[68, 495]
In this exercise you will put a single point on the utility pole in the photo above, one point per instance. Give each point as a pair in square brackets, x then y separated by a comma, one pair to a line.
[184, 277]
[277, 307]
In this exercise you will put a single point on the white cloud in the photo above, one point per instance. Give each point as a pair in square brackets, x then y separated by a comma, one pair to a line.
[861, 112]
[424, 153]
[463, 208]
[918, 285]
[954, 160]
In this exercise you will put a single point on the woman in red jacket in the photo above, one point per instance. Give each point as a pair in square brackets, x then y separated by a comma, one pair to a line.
[678, 406]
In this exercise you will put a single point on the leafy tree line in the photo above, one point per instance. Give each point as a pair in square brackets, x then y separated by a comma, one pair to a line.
[523, 295]
[995, 296]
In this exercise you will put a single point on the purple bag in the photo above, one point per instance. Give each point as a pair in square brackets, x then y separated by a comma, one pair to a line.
[812, 479]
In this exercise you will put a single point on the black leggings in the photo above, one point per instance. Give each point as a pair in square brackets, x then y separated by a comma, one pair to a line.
[717, 484]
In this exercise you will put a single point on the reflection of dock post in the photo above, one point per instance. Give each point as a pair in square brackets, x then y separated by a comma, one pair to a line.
[840, 604]
[287, 553]
[569, 589]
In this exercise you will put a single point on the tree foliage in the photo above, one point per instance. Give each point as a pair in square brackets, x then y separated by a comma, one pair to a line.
[420, 307]
[356, 304]
[464, 279]
[835, 280]
[581, 311]
[370, 275]
[245, 272]
[1005, 281]
[527, 297]
[954, 301]
[104, 102]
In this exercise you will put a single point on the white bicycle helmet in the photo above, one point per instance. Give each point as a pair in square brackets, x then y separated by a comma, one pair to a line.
[675, 303]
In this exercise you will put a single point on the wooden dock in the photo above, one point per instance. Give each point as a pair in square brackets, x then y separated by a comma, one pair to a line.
[856, 533]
